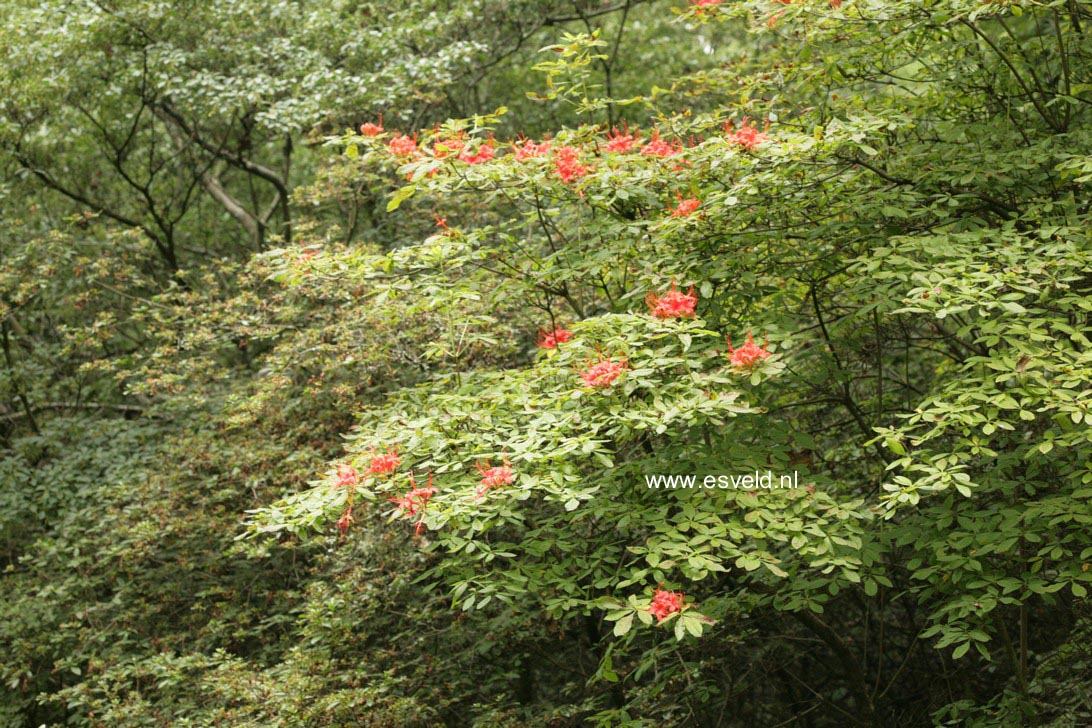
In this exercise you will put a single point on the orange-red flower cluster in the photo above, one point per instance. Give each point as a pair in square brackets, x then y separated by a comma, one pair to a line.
[673, 304]
[528, 149]
[551, 340]
[484, 153]
[494, 476]
[685, 208]
[413, 502]
[371, 130]
[665, 603]
[403, 146]
[568, 164]
[452, 145]
[747, 136]
[603, 372]
[385, 463]
[657, 147]
[704, 6]
[618, 142]
[748, 355]
[347, 476]
[345, 521]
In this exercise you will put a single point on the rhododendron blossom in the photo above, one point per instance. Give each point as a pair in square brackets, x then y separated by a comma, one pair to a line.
[345, 521]
[568, 166]
[403, 146]
[528, 149]
[551, 340]
[618, 142]
[746, 356]
[673, 304]
[347, 476]
[701, 7]
[370, 130]
[484, 153]
[413, 502]
[747, 137]
[603, 372]
[665, 603]
[305, 258]
[685, 207]
[444, 147]
[494, 477]
[657, 147]
[385, 463]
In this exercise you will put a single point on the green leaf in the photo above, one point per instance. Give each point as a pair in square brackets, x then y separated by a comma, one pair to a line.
[403, 194]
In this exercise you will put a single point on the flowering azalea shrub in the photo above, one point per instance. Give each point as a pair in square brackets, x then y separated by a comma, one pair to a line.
[921, 356]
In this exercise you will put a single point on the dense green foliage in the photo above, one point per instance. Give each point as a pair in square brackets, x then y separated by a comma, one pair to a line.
[280, 447]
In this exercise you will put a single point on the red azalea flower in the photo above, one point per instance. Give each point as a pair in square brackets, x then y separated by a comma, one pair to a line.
[451, 145]
[494, 477]
[618, 142]
[414, 501]
[346, 520]
[568, 166]
[686, 207]
[484, 154]
[403, 146]
[386, 463]
[673, 304]
[603, 372]
[747, 137]
[748, 355]
[304, 258]
[701, 7]
[347, 476]
[528, 149]
[550, 341]
[371, 130]
[665, 603]
[657, 147]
